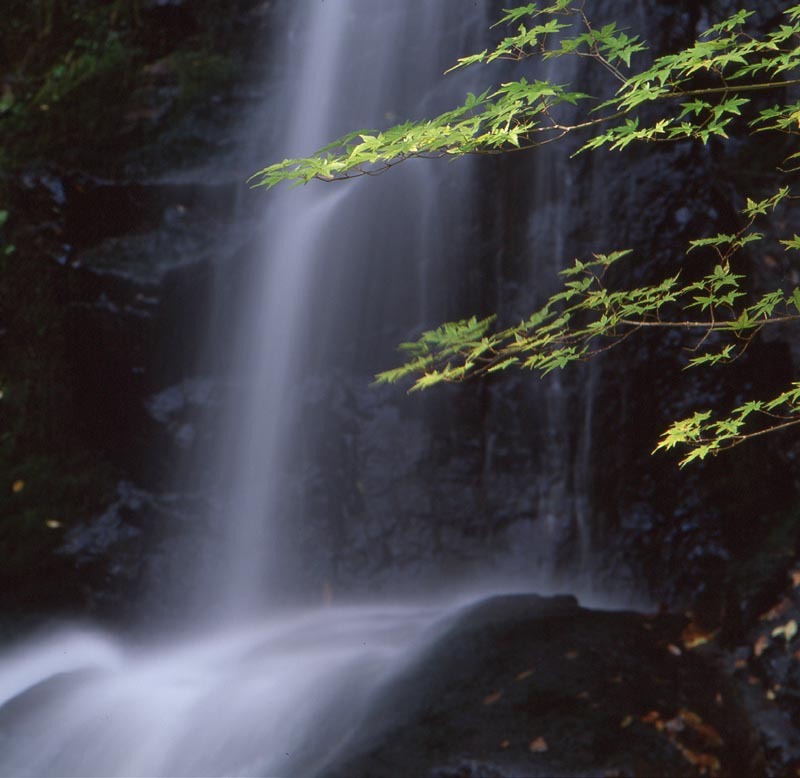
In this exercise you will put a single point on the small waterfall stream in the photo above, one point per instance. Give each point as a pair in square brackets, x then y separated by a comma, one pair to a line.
[341, 73]
[243, 698]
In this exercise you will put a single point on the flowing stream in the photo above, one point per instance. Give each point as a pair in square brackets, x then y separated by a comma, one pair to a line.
[279, 693]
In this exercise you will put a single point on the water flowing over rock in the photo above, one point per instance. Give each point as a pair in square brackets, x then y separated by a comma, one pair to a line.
[276, 520]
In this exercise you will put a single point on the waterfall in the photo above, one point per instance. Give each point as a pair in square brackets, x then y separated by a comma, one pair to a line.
[342, 72]
[248, 694]
[341, 273]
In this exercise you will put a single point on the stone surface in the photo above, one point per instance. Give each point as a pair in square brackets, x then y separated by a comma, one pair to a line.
[522, 685]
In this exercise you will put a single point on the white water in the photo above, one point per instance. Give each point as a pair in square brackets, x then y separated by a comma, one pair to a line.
[352, 63]
[280, 694]
[276, 698]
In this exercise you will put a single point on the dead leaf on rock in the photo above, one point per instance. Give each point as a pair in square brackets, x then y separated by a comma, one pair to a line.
[689, 717]
[701, 760]
[693, 635]
[491, 699]
[788, 630]
[538, 746]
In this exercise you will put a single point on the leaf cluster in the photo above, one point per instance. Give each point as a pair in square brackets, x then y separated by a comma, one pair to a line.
[699, 91]
[705, 90]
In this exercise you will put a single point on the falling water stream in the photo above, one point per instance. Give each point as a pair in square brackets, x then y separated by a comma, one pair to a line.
[262, 694]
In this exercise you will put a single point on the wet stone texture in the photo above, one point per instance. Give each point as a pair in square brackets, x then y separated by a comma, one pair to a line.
[523, 685]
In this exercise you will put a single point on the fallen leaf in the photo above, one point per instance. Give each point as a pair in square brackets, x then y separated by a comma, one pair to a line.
[691, 718]
[753, 681]
[693, 635]
[788, 630]
[718, 698]
[491, 699]
[524, 674]
[760, 645]
[17, 486]
[701, 760]
[795, 577]
[740, 664]
[626, 722]
[505, 743]
[674, 650]
[538, 746]
[651, 717]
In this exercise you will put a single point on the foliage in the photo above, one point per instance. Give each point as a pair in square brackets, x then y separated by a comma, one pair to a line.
[713, 88]
[75, 77]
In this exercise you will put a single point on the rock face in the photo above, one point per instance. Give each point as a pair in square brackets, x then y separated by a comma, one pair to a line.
[387, 486]
[105, 307]
[523, 685]
[101, 299]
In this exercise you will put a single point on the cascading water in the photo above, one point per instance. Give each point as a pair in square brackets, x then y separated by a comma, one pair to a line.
[245, 698]
[342, 74]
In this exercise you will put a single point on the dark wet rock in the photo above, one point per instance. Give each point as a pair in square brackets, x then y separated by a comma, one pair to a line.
[116, 556]
[177, 408]
[766, 668]
[522, 685]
